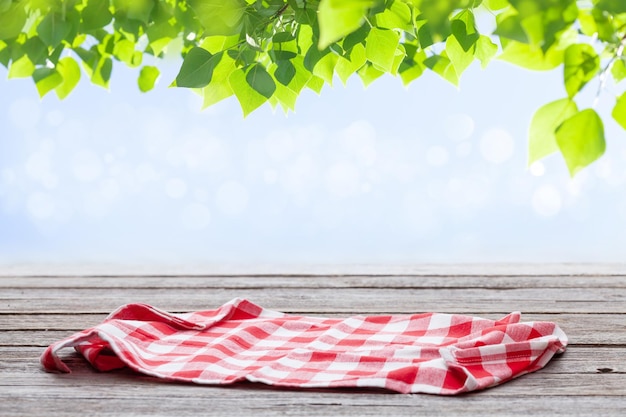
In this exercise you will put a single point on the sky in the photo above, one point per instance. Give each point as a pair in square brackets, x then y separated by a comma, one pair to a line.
[426, 174]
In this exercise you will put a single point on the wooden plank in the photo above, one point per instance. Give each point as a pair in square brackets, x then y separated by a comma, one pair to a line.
[84, 382]
[575, 390]
[313, 282]
[221, 269]
[581, 328]
[43, 329]
[547, 381]
[588, 302]
[18, 361]
[272, 404]
[44, 322]
[367, 301]
[125, 385]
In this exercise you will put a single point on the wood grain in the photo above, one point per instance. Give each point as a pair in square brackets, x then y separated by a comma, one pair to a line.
[41, 304]
[325, 300]
[314, 281]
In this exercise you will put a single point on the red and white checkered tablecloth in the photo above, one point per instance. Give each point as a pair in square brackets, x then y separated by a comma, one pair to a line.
[419, 353]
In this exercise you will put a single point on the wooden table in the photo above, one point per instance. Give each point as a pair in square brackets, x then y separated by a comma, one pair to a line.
[42, 304]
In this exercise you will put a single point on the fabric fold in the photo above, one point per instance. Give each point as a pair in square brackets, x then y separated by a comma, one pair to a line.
[431, 353]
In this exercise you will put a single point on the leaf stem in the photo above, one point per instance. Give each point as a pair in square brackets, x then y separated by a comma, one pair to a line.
[280, 11]
[607, 68]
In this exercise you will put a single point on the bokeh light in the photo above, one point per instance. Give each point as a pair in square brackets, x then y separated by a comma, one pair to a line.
[428, 174]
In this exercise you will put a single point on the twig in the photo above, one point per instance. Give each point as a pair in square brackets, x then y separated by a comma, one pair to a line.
[607, 68]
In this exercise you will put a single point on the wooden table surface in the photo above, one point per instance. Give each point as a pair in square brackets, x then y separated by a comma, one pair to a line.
[45, 303]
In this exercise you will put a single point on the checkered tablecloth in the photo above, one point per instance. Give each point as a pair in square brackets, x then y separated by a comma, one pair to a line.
[419, 353]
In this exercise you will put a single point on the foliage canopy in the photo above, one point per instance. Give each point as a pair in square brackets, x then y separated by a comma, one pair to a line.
[271, 50]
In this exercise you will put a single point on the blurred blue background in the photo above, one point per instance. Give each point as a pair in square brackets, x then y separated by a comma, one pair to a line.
[425, 174]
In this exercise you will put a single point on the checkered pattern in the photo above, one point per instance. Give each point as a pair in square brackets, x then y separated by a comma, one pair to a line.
[421, 353]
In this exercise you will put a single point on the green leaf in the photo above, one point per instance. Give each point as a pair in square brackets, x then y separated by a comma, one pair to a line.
[304, 15]
[285, 71]
[588, 24]
[147, 78]
[356, 37]
[496, 4]
[54, 56]
[215, 44]
[313, 56]
[5, 54]
[249, 98]
[397, 16]
[160, 35]
[485, 50]
[338, 18]
[53, 29]
[79, 40]
[135, 9]
[102, 72]
[425, 36]
[412, 67]
[284, 47]
[279, 55]
[543, 21]
[36, 50]
[21, 68]
[380, 48]
[369, 73]
[325, 67]
[605, 29]
[346, 66]
[163, 29]
[216, 92]
[397, 60]
[315, 83]
[302, 76]
[197, 68]
[581, 64]
[124, 50]
[436, 15]
[545, 121]
[411, 74]
[89, 58]
[219, 88]
[460, 58]
[618, 70]
[286, 97]
[243, 55]
[510, 27]
[259, 79]
[464, 29]
[533, 26]
[321, 63]
[96, 15]
[304, 37]
[70, 71]
[441, 65]
[612, 6]
[12, 20]
[581, 140]
[619, 111]
[107, 43]
[46, 79]
[283, 37]
[220, 17]
[531, 56]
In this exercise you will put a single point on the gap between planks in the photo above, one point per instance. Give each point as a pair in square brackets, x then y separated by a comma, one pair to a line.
[334, 270]
[313, 282]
